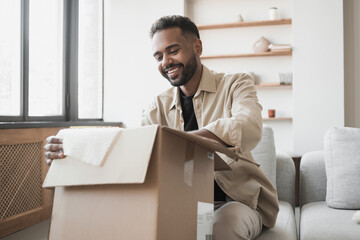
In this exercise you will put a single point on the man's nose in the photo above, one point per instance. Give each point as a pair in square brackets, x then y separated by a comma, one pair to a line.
[167, 61]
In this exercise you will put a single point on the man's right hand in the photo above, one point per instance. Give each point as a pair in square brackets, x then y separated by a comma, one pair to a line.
[53, 149]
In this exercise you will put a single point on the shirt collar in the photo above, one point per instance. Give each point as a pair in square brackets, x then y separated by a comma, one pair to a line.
[207, 84]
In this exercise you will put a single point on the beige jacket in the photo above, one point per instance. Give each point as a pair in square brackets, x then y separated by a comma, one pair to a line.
[226, 105]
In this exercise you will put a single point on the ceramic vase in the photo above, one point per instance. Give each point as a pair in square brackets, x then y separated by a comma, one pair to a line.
[261, 45]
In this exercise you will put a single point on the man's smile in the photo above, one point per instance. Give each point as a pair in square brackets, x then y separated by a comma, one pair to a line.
[173, 71]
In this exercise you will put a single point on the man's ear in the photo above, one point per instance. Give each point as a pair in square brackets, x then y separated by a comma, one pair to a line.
[198, 47]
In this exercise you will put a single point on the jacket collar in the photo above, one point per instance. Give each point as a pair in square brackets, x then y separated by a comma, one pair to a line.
[207, 84]
[176, 99]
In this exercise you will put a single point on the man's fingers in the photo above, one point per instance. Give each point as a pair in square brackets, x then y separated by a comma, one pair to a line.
[54, 139]
[53, 147]
[50, 156]
[49, 161]
[54, 155]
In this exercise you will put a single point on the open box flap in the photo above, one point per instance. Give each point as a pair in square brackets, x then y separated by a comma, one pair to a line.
[126, 162]
[211, 145]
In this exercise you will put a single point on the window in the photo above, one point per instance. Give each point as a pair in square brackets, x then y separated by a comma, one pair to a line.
[51, 60]
[90, 66]
[45, 58]
[10, 86]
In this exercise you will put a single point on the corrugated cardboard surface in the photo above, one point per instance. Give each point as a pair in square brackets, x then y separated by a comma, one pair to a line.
[104, 212]
[177, 217]
[180, 174]
[118, 211]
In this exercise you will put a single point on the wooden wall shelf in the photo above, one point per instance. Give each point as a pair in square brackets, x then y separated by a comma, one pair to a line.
[246, 24]
[277, 119]
[273, 85]
[263, 54]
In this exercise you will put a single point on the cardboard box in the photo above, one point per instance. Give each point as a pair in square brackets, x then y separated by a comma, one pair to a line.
[148, 188]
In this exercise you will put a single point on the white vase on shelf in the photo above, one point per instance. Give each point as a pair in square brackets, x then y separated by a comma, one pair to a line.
[273, 13]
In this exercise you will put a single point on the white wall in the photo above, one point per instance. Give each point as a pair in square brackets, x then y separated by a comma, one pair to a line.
[130, 73]
[318, 65]
[241, 40]
[225, 11]
[131, 78]
[352, 62]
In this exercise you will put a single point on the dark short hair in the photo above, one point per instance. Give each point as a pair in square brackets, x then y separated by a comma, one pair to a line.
[184, 23]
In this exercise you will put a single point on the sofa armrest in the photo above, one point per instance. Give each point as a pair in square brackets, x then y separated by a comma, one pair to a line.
[312, 178]
[285, 177]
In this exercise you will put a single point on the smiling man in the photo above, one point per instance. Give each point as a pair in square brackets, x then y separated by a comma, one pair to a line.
[222, 107]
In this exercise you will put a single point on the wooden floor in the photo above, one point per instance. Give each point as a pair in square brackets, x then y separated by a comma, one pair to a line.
[36, 232]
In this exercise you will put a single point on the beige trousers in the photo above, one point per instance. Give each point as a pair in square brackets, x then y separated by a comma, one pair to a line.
[236, 221]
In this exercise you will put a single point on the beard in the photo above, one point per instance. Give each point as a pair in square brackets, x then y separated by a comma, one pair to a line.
[187, 73]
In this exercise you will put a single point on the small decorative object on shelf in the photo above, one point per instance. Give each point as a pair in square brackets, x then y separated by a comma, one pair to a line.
[280, 47]
[285, 78]
[271, 113]
[261, 45]
[273, 13]
[240, 18]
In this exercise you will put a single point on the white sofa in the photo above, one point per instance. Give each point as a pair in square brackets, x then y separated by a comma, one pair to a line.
[318, 220]
[280, 169]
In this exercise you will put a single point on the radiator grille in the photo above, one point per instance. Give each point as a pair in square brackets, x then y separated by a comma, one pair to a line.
[20, 178]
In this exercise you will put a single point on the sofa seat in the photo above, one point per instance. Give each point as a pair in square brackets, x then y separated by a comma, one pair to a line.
[285, 227]
[320, 222]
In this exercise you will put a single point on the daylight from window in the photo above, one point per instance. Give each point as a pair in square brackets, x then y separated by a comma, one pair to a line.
[35, 83]
[10, 58]
[45, 57]
[90, 68]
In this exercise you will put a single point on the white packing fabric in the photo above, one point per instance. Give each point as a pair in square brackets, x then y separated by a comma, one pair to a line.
[89, 145]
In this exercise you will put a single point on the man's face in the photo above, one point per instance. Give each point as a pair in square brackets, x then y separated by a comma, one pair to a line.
[175, 56]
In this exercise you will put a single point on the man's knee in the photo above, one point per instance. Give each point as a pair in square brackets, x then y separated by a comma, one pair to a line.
[235, 221]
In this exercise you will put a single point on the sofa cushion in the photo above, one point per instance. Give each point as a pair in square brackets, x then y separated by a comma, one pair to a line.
[285, 228]
[342, 162]
[285, 177]
[318, 221]
[312, 177]
[265, 155]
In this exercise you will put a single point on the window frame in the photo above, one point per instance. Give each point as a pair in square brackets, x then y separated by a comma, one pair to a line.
[70, 68]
